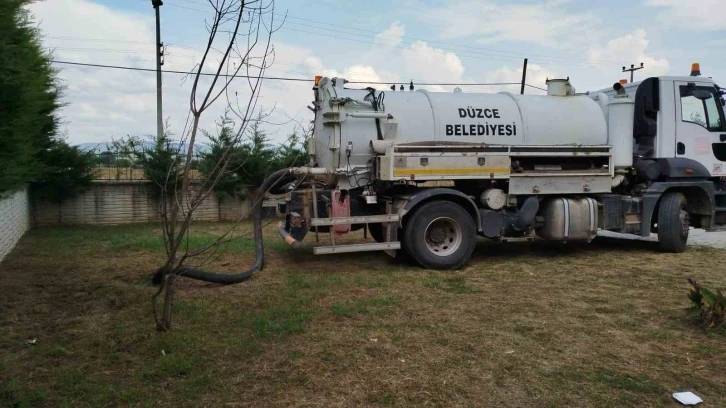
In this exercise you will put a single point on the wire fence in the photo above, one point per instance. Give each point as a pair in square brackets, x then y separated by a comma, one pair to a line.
[122, 167]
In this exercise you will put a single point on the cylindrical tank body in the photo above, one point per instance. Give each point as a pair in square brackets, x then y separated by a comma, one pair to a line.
[621, 110]
[602, 99]
[422, 116]
[561, 120]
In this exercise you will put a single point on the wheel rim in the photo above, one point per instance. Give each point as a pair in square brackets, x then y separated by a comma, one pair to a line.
[443, 236]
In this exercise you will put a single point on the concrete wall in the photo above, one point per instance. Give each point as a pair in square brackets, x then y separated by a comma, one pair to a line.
[126, 202]
[14, 219]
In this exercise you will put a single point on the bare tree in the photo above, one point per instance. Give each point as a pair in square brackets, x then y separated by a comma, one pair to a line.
[239, 47]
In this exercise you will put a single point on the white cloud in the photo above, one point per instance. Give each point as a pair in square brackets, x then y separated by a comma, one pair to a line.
[431, 63]
[701, 15]
[106, 103]
[99, 100]
[630, 48]
[547, 24]
[536, 76]
[392, 36]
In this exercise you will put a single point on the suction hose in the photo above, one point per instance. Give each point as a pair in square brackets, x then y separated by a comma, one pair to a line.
[277, 178]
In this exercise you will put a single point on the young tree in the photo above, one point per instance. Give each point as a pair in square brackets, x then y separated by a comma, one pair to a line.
[292, 153]
[229, 183]
[251, 160]
[238, 46]
[158, 156]
[63, 171]
[257, 159]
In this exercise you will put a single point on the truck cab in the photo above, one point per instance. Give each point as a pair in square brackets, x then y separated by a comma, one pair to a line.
[679, 117]
[679, 123]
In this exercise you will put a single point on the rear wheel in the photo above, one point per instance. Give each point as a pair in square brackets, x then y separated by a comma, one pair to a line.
[673, 222]
[439, 235]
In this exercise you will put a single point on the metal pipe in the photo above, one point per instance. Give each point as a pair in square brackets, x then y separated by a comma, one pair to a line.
[289, 240]
[310, 171]
[370, 115]
[380, 146]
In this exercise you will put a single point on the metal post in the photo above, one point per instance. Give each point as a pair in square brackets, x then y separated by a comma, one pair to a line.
[524, 76]
[315, 210]
[388, 224]
[159, 53]
[632, 69]
[332, 233]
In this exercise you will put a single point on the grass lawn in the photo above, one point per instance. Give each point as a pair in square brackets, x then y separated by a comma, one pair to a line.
[522, 325]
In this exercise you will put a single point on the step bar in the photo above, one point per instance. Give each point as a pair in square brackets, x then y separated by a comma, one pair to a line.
[365, 219]
[389, 221]
[339, 249]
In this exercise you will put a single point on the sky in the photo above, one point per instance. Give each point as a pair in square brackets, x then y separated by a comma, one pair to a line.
[441, 41]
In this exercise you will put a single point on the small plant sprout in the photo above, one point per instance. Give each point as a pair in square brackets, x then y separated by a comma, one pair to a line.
[709, 306]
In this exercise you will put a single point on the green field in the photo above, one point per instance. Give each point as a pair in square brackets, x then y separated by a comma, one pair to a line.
[522, 325]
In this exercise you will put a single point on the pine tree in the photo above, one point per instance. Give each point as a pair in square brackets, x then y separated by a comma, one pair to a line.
[31, 150]
[229, 183]
[29, 93]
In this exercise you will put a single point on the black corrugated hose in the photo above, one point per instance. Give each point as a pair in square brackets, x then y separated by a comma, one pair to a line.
[277, 178]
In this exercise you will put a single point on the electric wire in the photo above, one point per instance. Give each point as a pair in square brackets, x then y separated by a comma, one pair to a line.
[402, 38]
[278, 78]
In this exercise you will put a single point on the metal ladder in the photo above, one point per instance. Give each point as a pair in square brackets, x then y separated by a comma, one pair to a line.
[389, 220]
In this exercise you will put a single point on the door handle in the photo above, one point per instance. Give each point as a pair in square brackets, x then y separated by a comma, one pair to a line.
[723, 138]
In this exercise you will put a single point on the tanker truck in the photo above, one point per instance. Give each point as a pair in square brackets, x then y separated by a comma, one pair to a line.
[424, 173]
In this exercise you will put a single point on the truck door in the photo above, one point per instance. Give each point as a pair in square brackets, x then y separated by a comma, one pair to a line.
[700, 131]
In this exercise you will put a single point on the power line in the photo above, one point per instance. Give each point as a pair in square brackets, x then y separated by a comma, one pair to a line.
[302, 66]
[85, 64]
[188, 8]
[277, 78]
[101, 50]
[479, 52]
[97, 40]
[399, 38]
[517, 55]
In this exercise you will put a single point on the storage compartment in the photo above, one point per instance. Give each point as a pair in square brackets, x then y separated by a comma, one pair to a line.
[569, 219]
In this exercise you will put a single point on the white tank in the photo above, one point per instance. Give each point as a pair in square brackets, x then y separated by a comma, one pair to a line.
[422, 116]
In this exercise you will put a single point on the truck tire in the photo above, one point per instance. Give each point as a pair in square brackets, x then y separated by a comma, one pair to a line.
[673, 222]
[439, 235]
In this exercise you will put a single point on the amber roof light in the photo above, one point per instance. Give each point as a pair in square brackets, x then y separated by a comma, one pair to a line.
[695, 69]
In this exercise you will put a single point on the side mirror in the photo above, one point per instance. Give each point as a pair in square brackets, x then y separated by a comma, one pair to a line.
[701, 94]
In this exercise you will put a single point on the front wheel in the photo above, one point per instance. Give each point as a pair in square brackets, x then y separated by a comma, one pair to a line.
[673, 222]
[439, 235]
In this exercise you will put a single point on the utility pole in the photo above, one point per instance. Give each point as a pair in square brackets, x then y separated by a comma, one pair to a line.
[632, 69]
[159, 62]
[524, 76]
